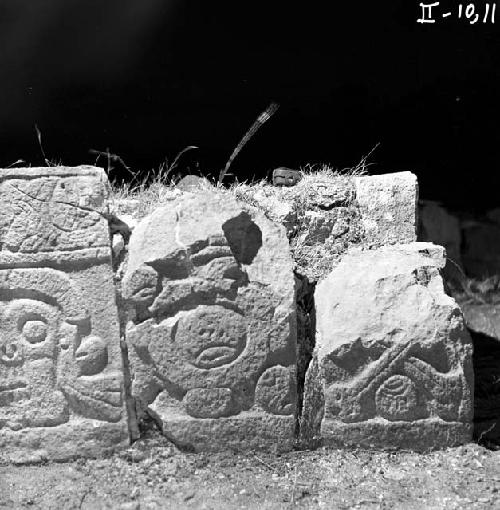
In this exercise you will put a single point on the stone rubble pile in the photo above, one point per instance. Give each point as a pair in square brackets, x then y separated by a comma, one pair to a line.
[263, 317]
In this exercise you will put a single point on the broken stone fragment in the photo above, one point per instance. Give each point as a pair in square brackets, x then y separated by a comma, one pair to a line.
[212, 330]
[392, 365]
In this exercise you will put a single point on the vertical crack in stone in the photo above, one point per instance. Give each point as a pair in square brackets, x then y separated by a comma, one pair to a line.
[306, 337]
[118, 259]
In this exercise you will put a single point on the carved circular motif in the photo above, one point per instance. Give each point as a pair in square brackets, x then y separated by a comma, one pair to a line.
[35, 331]
[274, 391]
[396, 398]
[211, 336]
[10, 354]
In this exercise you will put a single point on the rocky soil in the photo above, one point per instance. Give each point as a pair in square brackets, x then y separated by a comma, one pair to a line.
[148, 476]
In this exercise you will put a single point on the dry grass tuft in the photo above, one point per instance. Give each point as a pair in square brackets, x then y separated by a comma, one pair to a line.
[158, 187]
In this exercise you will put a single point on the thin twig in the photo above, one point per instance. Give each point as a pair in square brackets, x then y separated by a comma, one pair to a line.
[111, 157]
[18, 162]
[39, 136]
[171, 167]
[268, 466]
[363, 165]
[484, 432]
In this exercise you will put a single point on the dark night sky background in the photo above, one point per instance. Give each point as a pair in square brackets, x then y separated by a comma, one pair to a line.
[148, 77]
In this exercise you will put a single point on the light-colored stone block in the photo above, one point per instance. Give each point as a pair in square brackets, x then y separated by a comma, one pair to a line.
[388, 207]
[212, 329]
[392, 366]
[61, 382]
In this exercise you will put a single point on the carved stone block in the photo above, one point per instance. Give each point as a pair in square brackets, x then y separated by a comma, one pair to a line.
[392, 365]
[388, 207]
[212, 330]
[61, 383]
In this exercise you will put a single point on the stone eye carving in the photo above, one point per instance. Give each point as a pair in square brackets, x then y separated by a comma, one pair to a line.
[212, 337]
[215, 357]
[34, 331]
[9, 354]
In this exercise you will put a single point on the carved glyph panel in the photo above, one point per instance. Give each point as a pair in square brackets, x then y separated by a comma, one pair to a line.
[61, 379]
[392, 362]
[48, 210]
[211, 342]
[51, 365]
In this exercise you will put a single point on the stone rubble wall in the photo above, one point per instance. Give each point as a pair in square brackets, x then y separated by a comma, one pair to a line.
[259, 317]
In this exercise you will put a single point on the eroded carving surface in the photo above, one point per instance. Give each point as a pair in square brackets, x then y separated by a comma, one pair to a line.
[61, 383]
[397, 386]
[210, 338]
[393, 354]
[51, 366]
[51, 213]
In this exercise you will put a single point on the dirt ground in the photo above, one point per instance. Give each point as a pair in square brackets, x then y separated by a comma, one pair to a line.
[148, 476]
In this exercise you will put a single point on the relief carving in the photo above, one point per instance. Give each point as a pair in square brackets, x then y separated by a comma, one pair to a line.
[43, 213]
[51, 366]
[392, 365]
[399, 386]
[61, 380]
[207, 339]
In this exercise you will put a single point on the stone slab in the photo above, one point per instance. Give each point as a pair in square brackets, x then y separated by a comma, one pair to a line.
[61, 374]
[212, 330]
[392, 365]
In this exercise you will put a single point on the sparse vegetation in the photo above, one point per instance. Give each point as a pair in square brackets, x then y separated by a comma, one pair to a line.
[157, 187]
[158, 477]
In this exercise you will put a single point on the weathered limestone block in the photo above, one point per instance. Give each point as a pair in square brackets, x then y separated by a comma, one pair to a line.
[326, 214]
[392, 365]
[212, 330]
[61, 382]
[388, 206]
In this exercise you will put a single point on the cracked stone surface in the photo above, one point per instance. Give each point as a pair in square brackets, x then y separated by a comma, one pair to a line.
[212, 325]
[61, 381]
[392, 366]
